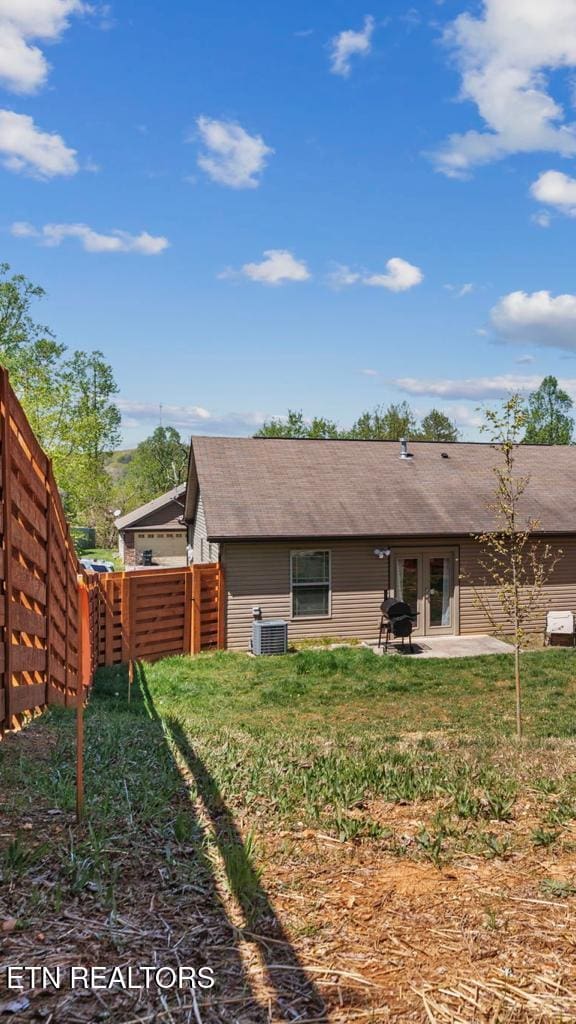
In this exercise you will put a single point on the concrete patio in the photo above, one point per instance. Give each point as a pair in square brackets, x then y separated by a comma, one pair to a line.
[446, 646]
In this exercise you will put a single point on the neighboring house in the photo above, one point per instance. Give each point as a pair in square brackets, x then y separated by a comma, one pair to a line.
[296, 525]
[156, 526]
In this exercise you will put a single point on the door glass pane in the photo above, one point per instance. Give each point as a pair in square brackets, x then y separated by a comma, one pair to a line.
[406, 588]
[440, 591]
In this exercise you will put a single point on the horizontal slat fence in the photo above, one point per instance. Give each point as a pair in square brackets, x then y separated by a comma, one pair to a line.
[53, 637]
[153, 613]
[39, 603]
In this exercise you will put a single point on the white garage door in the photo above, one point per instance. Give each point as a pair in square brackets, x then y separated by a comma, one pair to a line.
[163, 544]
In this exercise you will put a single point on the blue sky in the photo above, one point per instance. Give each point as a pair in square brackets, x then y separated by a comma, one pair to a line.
[150, 160]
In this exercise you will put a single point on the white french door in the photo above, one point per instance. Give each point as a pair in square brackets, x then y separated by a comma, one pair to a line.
[426, 581]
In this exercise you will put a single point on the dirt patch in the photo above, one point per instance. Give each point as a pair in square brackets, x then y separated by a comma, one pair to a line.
[477, 941]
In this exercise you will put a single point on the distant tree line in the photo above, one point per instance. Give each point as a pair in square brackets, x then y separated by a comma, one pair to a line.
[546, 416]
[380, 424]
[69, 398]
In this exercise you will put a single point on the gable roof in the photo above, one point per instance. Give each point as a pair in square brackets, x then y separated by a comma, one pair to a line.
[156, 505]
[257, 488]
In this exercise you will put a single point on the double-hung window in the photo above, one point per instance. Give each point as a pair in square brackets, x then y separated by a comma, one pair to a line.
[310, 583]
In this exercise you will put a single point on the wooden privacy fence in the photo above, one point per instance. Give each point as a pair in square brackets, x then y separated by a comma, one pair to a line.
[59, 623]
[40, 652]
[157, 612]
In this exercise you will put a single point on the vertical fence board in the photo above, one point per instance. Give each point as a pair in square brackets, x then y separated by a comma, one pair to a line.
[7, 547]
[196, 623]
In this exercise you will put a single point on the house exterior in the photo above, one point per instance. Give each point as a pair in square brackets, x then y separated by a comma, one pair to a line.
[314, 531]
[156, 526]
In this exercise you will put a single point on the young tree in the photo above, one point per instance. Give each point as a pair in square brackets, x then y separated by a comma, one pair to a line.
[158, 464]
[549, 415]
[294, 425]
[516, 564]
[382, 424]
[436, 426]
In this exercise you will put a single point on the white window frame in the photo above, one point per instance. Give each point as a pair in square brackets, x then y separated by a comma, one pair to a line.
[328, 583]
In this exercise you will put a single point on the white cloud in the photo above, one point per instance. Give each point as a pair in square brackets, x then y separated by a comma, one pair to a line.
[193, 418]
[400, 275]
[542, 219]
[23, 66]
[25, 148]
[232, 157]
[370, 373]
[460, 289]
[477, 388]
[502, 56]
[525, 360]
[279, 265]
[555, 189]
[464, 416]
[93, 241]
[538, 317]
[349, 44]
[342, 276]
[467, 388]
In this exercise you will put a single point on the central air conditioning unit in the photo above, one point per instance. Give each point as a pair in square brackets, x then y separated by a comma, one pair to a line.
[269, 636]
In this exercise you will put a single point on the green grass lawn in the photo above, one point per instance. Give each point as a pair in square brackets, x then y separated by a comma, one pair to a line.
[220, 759]
[309, 737]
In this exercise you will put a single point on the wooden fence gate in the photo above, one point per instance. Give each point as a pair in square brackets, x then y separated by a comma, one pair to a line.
[152, 613]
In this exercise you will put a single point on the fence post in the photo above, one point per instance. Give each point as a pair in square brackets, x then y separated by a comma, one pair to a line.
[84, 660]
[196, 610]
[108, 594]
[125, 602]
[48, 606]
[7, 501]
[221, 599]
[188, 645]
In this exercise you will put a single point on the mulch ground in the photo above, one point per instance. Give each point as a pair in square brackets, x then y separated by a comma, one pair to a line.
[348, 933]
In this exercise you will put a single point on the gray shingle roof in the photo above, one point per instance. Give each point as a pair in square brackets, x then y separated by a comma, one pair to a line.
[264, 487]
[131, 518]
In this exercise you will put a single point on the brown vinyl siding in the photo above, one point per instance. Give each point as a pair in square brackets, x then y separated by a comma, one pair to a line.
[258, 573]
[559, 594]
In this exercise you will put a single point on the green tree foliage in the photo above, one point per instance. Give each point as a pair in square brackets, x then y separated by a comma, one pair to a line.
[91, 430]
[549, 415]
[380, 424]
[158, 464]
[385, 424]
[68, 398]
[18, 331]
[294, 425]
[436, 426]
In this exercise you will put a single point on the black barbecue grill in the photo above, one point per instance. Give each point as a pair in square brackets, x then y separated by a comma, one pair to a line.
[397, 620]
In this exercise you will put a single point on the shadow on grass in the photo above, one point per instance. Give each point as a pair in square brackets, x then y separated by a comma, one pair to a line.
[295, 995]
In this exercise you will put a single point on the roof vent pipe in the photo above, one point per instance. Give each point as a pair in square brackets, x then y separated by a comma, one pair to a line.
[404, 453]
